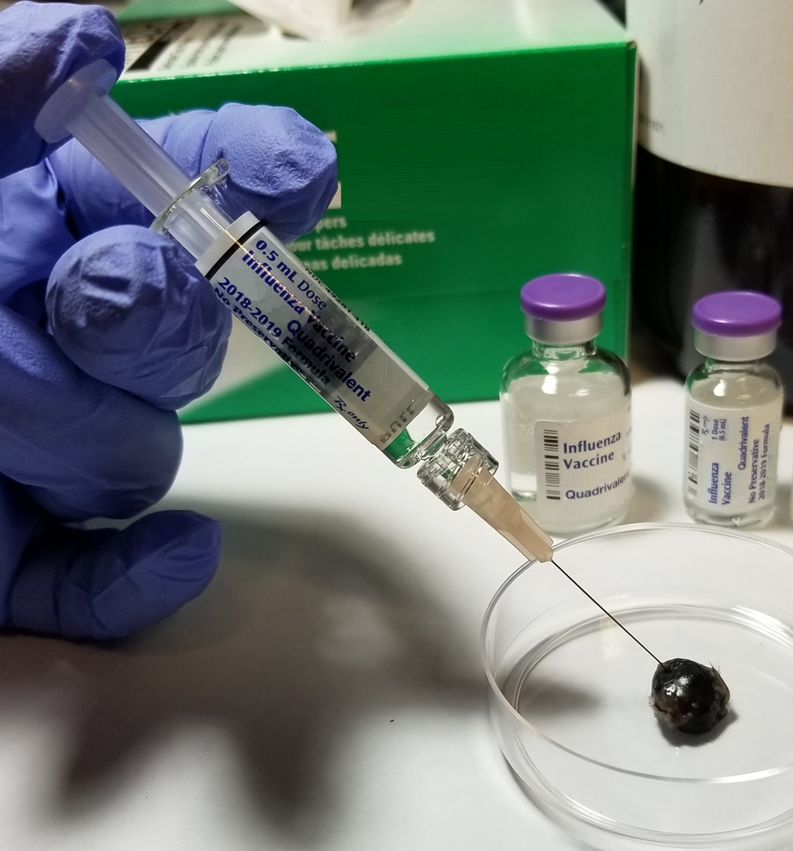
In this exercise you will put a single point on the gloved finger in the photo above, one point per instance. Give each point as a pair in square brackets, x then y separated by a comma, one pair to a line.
[33, 232]
[281, 168]
[79, 447]
[41, 46]
[110, 583]
[129, 308]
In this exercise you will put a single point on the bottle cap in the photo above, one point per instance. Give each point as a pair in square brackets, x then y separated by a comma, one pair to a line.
[563, 309]
[737, 325]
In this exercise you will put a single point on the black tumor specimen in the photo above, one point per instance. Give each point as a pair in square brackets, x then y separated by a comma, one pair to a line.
[688, 696]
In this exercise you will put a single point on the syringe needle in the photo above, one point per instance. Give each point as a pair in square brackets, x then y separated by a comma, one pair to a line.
[606, 612]
[502, 512]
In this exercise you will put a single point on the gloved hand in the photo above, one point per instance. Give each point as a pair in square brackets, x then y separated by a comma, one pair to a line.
[105, 329]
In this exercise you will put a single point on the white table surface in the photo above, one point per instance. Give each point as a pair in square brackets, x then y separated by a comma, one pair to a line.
[326, 693]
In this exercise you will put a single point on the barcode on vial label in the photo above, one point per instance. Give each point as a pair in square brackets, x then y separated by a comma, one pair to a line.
[694, 421]
[550, 447]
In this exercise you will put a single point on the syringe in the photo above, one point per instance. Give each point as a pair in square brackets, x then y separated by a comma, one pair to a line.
[272, 292]
[277, 298]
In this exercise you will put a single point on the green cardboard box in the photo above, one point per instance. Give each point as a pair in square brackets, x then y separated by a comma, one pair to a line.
[480, 143]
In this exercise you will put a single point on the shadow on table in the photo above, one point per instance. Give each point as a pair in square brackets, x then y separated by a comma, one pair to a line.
[302, 628]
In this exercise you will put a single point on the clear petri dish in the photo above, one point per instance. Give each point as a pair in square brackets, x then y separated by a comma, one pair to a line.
[569, 691]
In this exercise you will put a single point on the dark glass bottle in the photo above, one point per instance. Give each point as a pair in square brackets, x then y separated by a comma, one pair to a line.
[698, 233]
[617, 7]
[714, 171]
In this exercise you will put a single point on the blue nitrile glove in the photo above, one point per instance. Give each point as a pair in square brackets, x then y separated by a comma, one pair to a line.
[105, 329]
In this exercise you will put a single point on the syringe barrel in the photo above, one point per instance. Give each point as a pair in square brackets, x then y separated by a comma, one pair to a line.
[256, 277]
[276, 296]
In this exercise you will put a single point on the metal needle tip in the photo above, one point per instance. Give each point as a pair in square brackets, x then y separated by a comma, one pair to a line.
[606, 612]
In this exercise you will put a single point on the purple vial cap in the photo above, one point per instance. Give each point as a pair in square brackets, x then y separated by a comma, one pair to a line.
[736, 313]
[563, 297]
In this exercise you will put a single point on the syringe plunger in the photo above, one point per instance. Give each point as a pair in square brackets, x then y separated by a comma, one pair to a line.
[80, 108]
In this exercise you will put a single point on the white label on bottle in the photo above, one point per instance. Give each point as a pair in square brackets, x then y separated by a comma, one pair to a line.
[267, 288]
[715, 85]
[732, 456]
[584, 467]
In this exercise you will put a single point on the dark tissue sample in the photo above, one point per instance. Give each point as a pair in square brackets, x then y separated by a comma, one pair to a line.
[688, 696]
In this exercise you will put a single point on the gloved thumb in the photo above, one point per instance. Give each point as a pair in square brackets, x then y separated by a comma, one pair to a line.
[110, 583]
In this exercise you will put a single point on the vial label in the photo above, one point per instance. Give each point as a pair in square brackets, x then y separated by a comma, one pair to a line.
[265, 286]
[732, 456]
[584, 467]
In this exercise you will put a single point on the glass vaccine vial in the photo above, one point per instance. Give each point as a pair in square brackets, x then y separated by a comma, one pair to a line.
[733, 411]
[566, 409]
